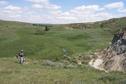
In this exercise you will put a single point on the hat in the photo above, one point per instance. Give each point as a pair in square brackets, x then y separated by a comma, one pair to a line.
[22, 50]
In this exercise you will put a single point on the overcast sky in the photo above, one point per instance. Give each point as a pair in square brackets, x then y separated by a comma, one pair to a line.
[61, 11]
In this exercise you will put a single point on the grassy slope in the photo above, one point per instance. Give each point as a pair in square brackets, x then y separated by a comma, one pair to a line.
[115, 23]
[49, 44]
[34, 73]
[15, 36]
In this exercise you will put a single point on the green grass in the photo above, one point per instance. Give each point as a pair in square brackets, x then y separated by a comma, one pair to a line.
[34, 73]
[49, 45]
[39, 45]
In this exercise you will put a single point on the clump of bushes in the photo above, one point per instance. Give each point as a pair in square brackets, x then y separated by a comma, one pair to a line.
[41, 31]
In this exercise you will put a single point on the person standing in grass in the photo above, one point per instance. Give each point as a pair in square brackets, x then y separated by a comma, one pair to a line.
[20, 57]
[65, 52]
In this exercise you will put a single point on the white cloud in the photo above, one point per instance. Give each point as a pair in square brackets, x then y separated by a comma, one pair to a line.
[81, 14]
[11, 12]
[119, 6]
[122, 11]
[115, 5]
[43, 11]
[45, 4]
[3, 2]
[12, 9]
[85, 10]
[39, 1]
[37, 6]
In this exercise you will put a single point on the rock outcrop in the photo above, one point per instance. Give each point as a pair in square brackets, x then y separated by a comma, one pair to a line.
[112, 58]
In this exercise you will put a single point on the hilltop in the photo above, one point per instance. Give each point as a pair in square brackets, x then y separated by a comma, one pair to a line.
[111, 23]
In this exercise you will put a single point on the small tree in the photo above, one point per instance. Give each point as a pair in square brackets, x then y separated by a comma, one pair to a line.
[102, 25]
[46, 28]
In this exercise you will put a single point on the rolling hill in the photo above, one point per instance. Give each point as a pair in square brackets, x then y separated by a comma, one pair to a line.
[111, 23]
[39, 45]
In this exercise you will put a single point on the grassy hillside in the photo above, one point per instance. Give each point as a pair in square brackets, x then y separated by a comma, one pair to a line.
[115, 23]
[39, 45]
[34, 73]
